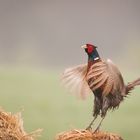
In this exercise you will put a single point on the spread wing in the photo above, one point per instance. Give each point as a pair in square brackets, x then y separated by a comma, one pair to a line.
[106, 75]
[74, 79]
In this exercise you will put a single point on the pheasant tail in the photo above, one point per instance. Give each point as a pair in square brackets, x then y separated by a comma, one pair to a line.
[131, 86]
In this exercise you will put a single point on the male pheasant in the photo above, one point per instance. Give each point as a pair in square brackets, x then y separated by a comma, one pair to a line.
[101, 77]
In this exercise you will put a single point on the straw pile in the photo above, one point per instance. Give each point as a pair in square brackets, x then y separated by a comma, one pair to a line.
[11, 127]
[87, 135]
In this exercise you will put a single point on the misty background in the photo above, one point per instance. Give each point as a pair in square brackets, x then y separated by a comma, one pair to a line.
[45, 33]
[40, 38]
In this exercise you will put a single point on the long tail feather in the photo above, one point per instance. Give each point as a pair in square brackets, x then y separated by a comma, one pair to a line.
[131, 86]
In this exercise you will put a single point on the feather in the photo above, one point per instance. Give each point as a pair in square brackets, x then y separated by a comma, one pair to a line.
[132, 85]
[99, 84]
[98, 79]
[107, 76]
[74, 80]
[94, 74]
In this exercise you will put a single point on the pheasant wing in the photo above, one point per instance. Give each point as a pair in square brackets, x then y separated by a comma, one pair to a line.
[105, 75]
[74, 79]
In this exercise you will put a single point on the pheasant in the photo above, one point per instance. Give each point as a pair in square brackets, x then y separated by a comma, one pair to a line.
[101, 77]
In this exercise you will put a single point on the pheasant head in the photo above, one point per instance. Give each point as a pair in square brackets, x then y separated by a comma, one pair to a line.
[92, 52]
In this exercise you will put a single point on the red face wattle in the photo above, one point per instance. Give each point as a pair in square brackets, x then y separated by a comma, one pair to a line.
[90, 48]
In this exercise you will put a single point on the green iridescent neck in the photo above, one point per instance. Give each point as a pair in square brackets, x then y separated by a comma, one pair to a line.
[93, 56]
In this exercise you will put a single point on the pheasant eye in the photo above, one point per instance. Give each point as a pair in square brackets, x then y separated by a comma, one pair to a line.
[90, 49]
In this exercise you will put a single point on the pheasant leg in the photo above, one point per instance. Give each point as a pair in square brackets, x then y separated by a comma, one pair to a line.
[91, 123]
[98, 127]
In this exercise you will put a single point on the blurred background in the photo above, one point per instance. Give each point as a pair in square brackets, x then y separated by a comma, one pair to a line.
[40, 38]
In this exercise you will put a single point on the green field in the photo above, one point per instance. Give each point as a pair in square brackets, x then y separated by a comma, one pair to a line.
[48, 106]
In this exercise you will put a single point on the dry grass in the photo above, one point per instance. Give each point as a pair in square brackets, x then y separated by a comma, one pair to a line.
[87, 135]
[11, 127]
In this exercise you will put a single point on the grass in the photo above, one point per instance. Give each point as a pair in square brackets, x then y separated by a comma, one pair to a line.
[47, 105]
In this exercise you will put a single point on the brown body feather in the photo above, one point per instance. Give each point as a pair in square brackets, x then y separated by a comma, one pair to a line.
[107, 84]
[102, 78]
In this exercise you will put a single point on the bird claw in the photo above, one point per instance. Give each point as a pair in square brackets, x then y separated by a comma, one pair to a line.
[89, 128]
[96, 130]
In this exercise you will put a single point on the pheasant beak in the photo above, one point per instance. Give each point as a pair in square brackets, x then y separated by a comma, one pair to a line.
[84, 46]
